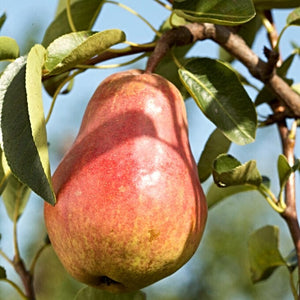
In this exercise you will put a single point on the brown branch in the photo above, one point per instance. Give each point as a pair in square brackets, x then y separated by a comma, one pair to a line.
[235, 45]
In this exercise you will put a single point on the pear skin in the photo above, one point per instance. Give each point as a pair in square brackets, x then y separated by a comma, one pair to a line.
[130, 208]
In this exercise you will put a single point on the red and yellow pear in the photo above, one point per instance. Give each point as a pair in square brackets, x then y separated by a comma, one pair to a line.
[130, 208]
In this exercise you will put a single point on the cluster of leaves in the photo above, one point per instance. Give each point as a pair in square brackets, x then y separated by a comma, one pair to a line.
[69, 44]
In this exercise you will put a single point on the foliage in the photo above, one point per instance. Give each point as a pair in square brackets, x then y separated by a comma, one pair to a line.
[72, 45]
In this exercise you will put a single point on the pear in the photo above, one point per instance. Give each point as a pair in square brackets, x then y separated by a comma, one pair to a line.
[130, 208]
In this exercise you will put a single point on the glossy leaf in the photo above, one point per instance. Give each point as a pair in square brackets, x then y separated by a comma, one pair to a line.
[269, 4]
[294, 17]
[2, 19]
[18, 135]
[224, 12]
[264, 253]
[75, 48]
[9, 48]
[216, 144]
[228, 106]
[89, 293]
[2, 273]
[84, 14]
[228, 171]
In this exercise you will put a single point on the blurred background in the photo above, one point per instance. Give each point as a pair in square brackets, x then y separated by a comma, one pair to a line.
[220, 268]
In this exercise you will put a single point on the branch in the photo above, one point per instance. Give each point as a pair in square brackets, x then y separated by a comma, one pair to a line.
[235, 45]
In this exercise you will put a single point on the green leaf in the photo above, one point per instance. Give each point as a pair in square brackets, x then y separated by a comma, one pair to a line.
[15, 197]
[264, 254]
[89, 293]
[269, 4]
[224, 12]
[84, 14]
[9, 48]
[2, 273]
[294, 17]
[228, 106]
[52, 83]
[228, 171]
[217, 194]
[216, 144]
[284, 170]
[75, 48]
[2, 19]
[18, 135]
[3, 175]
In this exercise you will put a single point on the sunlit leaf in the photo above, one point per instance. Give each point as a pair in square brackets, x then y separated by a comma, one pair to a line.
[2, 273]
[228, 106]
[89, 293]
[9, 48]
[294, 17]
[18, 141]
[75, 48]
[228, 171]
[264, 252]
[223, 12]
[216, 144]
[84, 14]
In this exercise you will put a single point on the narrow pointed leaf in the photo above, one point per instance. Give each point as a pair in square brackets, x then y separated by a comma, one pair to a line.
[228, 106]
[215, 11]
[18, 142]
[75, 48]
[228, 171]
[84, 14]
[264, 254]
[216, 144]
[2, 19]
[2, 273]
[89, 293]
[294, 17]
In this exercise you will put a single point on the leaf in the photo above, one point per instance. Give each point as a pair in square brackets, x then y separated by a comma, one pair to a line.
[52, 83]
[89, 293]
[84, 14]
[217, 194]
[228, 171]
[294, 17]
[228, 106]
[3, 176]
[284, 170]
[2, 19]
[2, 273]
[9, 48]
[269, 4]
[15, 197]
[20, 128]
[216, 144]
[75, 48]
[264, 254]
[215, 11]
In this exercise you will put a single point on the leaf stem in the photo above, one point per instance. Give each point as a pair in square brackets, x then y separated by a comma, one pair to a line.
[271, 199]
[69, 15]
[136, 14]
[16, 287]
[58, 91]
[163, 4]
[6, 257]
[36, 257]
